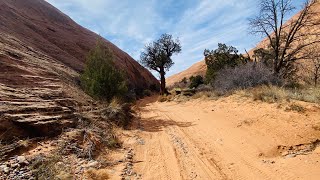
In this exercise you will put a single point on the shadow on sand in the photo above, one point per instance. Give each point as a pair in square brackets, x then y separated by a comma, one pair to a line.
[155, 124]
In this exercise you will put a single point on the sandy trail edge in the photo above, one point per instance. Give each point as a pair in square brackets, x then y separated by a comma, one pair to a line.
[232, 138]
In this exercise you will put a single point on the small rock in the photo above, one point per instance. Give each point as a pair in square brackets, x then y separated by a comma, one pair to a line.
[291, 155]
[21, 159]
[91, 164]
[59, 163]
[15, 165]
[6, 170]
[2, 167]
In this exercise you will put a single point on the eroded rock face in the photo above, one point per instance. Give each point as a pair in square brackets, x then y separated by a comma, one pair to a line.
[37, 94]
[43, 27]
[42, 52]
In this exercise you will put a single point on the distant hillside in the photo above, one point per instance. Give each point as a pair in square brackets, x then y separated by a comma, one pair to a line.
[200, 67]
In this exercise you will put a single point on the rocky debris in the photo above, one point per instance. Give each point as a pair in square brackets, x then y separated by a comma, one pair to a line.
[268, 161]
[300, 149]
[7, 149]
[91, 164]
[179, 143]
[128, 172]
[16, 168]
[139, 140]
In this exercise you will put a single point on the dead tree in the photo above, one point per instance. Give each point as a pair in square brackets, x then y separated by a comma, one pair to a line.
[285, 37]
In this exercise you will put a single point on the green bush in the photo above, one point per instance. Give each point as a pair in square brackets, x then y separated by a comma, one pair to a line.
[220, 58]
[147, 93]
[195, 81]
[100, 78]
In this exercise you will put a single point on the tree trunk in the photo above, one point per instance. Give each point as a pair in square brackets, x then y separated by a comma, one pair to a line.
[163, 83]
[276, 70]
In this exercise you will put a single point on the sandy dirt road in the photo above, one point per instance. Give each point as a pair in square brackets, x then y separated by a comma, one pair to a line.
[231, 138]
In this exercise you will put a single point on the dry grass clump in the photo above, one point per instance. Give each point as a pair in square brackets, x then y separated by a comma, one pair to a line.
[89, 140]
[166, 98]
[50, 167]
[274, 94]
[296, 107]
[206, 94]
[268, 93]
[97, 174]
[307, 95]
[119, 113]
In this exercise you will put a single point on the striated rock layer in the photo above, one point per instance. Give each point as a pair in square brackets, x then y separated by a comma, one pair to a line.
[42, 52]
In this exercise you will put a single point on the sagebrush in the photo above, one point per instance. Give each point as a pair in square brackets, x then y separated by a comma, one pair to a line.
[245, 76]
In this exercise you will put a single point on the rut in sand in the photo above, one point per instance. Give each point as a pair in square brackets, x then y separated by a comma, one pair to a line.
[203, 140]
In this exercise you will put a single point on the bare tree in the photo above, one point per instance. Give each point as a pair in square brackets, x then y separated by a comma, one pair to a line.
[157, 56]
[312, 69]
[285, 38]
[316, 70]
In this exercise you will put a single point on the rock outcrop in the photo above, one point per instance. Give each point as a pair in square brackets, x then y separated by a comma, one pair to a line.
[42, 52]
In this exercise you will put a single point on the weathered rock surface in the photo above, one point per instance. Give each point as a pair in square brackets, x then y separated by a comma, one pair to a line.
[43, 27]
[42, 52]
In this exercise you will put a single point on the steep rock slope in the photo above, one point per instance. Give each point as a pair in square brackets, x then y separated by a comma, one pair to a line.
[42, 26]
[42, 52]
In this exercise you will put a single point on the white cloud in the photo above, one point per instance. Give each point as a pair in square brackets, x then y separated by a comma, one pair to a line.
[199, 24]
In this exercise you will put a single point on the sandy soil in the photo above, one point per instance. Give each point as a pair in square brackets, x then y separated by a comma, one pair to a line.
[231, 138]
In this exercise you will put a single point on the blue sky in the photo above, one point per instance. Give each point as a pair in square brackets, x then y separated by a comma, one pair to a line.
[199, 24]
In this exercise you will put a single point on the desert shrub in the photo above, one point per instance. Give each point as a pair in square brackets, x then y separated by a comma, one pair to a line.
[296, 107]
[268, 93]
[184, 83]
[147, 92]
[154, 87]
[206, 94]
[101, 79]
[188, 92]
[162, 98]
[184, 80]
[196, 81]
[49, 168]
[176, 91]
[204, 87]
[305, 94]
[222, 57]
[97, 174]
[274, 94]
[118, 113]
[245, 76]
[166, 98]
